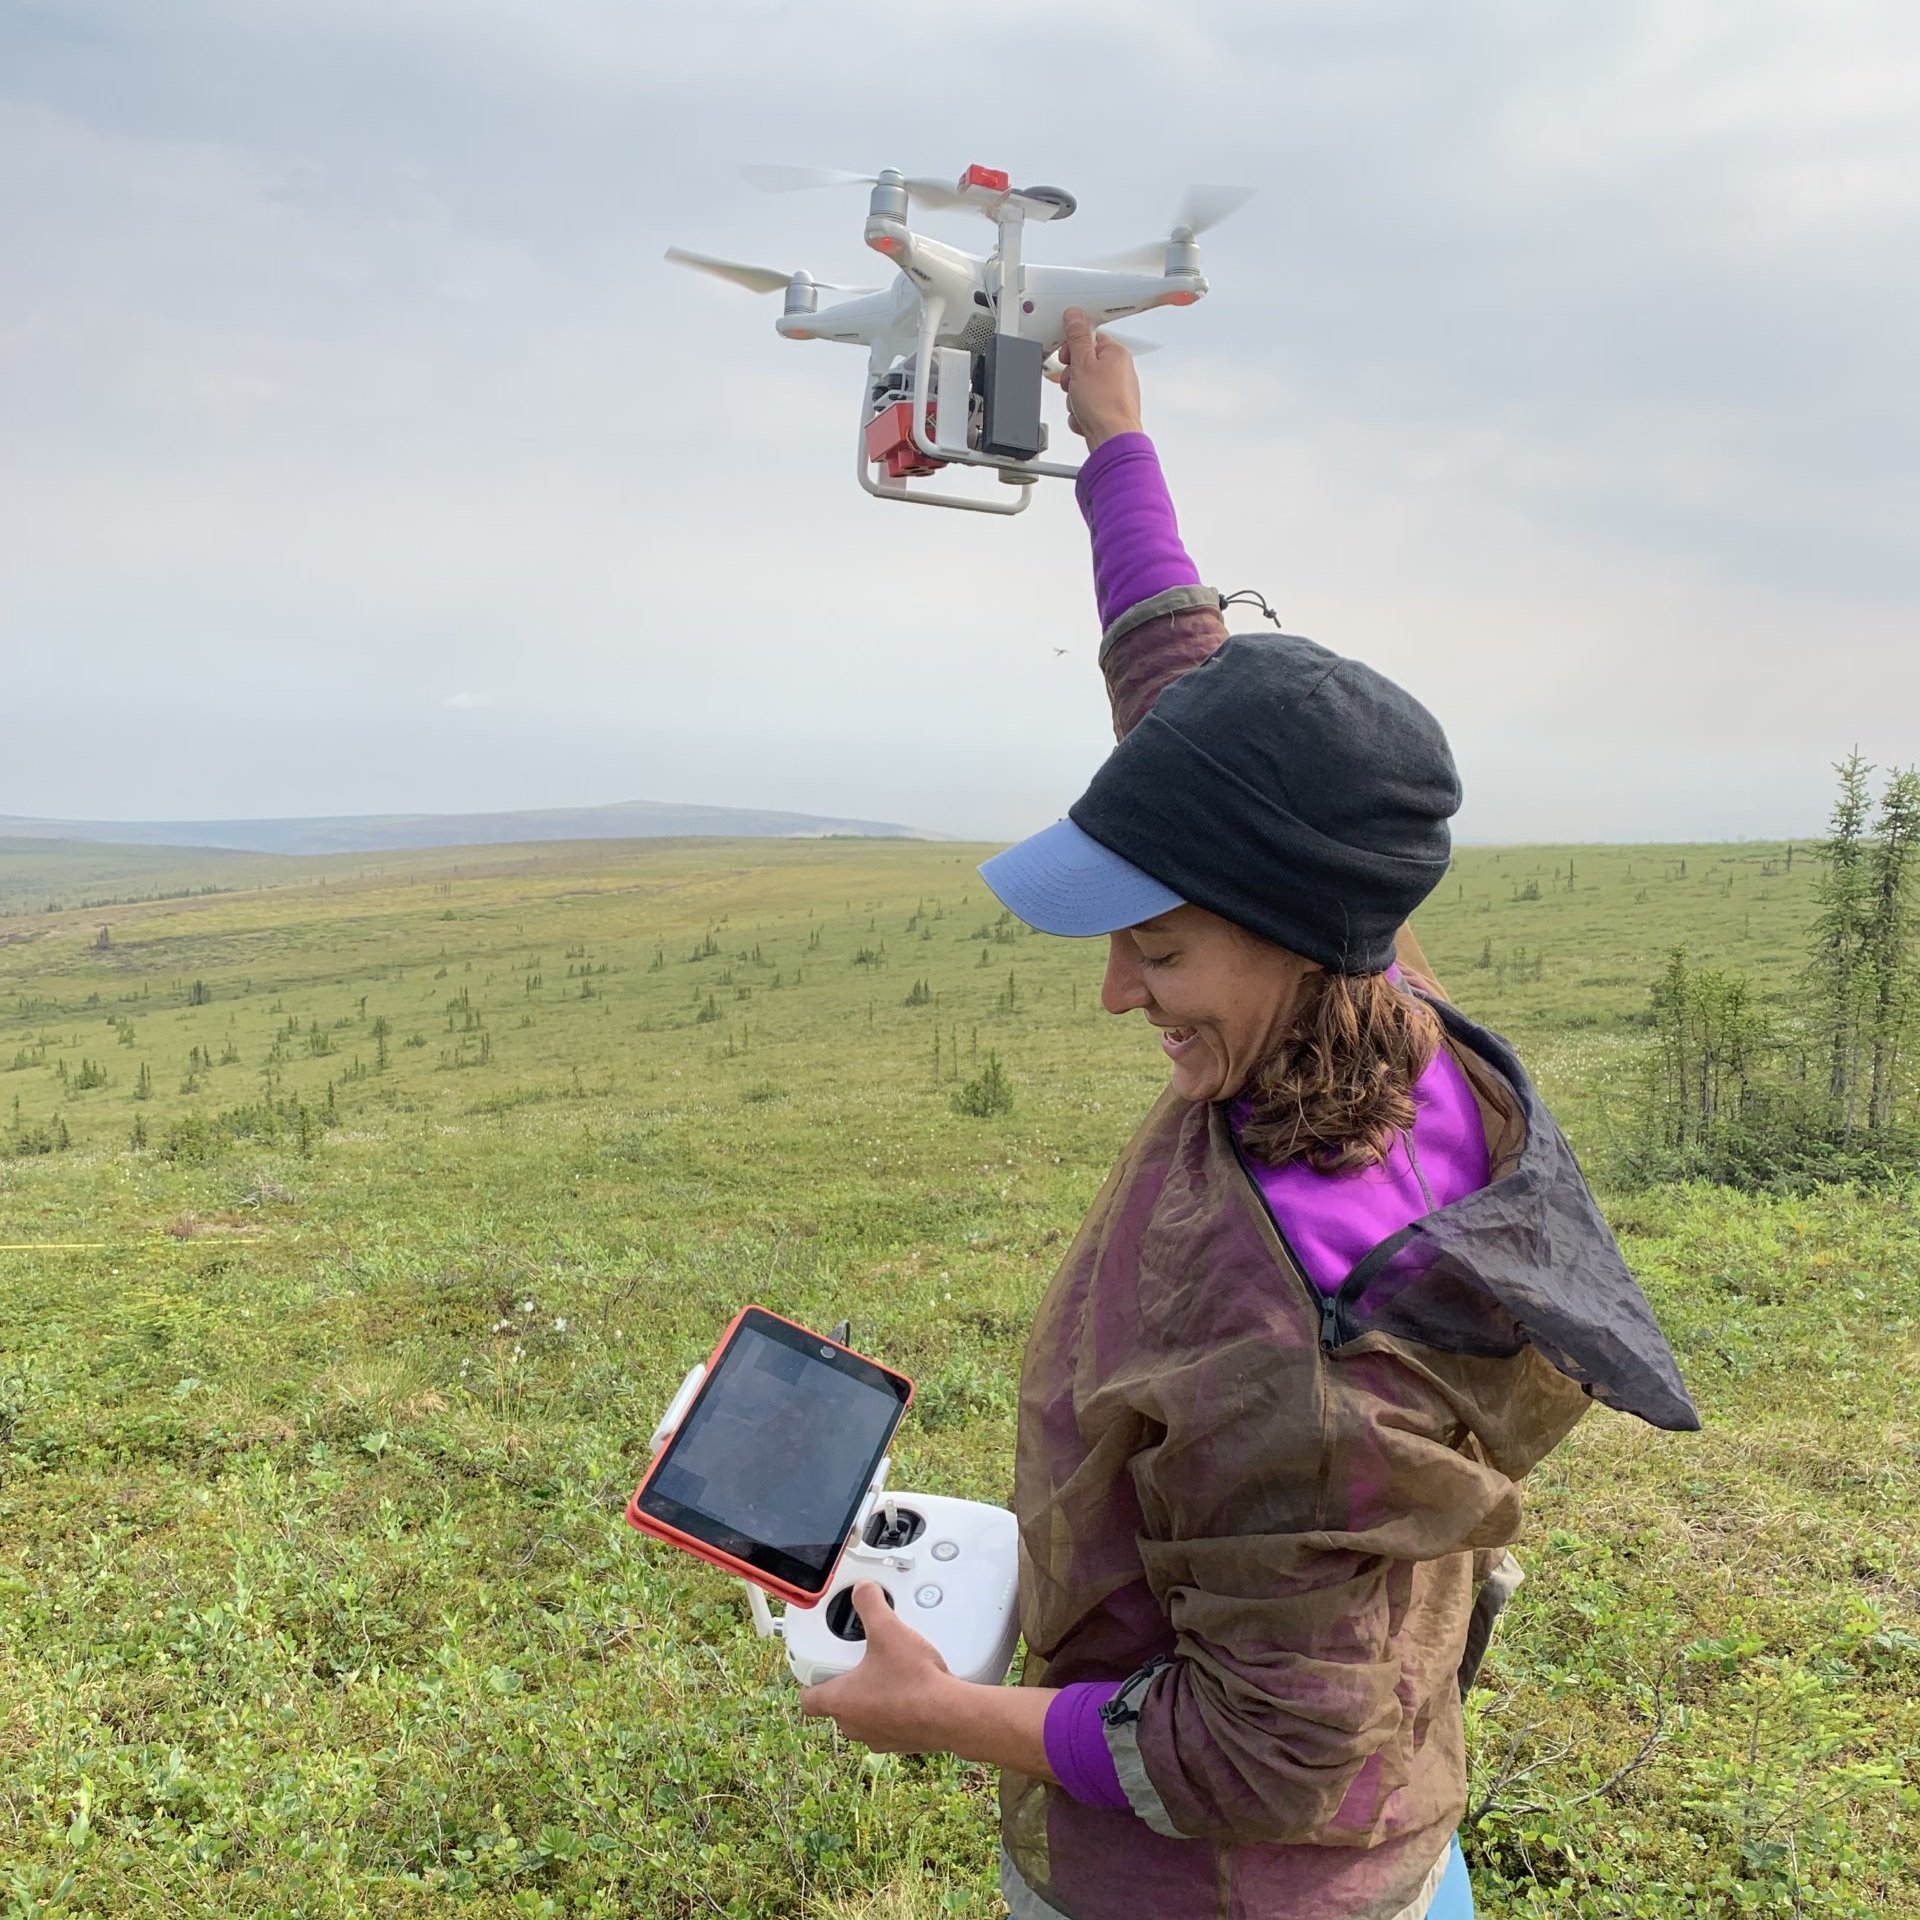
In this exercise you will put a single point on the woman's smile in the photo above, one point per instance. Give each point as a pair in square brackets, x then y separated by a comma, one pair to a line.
[1175, 1041]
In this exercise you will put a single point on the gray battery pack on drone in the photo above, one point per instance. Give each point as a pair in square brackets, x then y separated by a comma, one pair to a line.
[1010, 377]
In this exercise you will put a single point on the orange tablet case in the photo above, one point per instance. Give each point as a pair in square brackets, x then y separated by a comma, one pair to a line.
[660, 1530]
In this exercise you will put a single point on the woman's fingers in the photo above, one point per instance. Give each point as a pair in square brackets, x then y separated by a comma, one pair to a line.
[888, 1636]
[1078, 342]
[1102, 388]
[879, 1619]
[1084, 344]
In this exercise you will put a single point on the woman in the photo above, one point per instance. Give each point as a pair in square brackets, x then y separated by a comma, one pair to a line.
[1345, 1288]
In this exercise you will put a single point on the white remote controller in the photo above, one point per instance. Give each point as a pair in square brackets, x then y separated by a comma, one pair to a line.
[950, 1568]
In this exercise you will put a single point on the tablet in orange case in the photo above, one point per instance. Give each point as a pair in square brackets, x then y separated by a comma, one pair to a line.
[769, 1467]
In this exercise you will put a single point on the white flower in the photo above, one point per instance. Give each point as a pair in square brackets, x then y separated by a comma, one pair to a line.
[526, 1306]
[560, 1325]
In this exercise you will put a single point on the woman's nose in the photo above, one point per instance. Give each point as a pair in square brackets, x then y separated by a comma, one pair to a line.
[1123, 989]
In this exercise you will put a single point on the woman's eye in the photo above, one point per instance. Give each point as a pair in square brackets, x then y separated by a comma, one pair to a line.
[1156, 959]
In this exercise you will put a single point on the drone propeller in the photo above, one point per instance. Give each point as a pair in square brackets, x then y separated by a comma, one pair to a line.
[1200, 209]
[754, 279]
[931, 193]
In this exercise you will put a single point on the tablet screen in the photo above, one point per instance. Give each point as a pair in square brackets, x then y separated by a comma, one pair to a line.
[775, 1455]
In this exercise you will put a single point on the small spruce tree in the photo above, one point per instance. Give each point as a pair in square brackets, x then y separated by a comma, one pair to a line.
[1890, 938]
[990, 1092]
[1838, 969]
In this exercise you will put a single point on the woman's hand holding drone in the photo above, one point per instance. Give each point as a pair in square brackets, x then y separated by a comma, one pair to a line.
[1102, 388]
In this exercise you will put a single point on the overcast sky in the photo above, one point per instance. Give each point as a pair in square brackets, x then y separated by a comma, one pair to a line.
[359, 454]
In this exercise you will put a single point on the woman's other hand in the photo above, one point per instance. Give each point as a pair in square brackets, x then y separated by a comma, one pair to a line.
[897, 1700]
[1102, 388]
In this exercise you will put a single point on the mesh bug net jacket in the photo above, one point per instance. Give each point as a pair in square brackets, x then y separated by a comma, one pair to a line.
[1274, 1508]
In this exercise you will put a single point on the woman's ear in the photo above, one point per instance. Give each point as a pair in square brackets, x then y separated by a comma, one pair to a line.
[1294, 969]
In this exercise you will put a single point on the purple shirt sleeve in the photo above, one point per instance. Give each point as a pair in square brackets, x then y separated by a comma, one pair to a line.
[1136, 540]
[1076, 1740]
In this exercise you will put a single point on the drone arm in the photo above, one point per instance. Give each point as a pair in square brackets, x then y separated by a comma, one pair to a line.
[1105, 296]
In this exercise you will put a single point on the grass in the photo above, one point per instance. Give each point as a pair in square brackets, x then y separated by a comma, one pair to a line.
[314, 1594]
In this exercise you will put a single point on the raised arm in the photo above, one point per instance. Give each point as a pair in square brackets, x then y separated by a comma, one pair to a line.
[1157, 620]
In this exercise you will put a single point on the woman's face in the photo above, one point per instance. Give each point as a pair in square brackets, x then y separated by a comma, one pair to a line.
[1219, 995]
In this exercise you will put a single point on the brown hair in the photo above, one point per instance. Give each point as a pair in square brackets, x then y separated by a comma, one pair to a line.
[1338, 1087]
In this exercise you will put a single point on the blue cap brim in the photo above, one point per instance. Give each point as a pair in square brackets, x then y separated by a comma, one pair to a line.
[1061, 880]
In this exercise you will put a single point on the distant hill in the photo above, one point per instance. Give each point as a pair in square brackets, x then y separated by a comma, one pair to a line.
[384, 832]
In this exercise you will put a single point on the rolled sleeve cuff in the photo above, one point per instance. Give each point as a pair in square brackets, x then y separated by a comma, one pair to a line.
[1120, 1721]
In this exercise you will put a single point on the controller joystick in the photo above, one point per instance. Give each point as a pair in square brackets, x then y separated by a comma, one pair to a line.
[843, 1618]
[891, 1526]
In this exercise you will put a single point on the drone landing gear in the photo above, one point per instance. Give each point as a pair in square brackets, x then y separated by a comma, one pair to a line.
[964, 409]
[903, 454]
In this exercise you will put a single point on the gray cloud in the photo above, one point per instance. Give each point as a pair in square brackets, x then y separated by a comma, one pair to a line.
[1562, 366]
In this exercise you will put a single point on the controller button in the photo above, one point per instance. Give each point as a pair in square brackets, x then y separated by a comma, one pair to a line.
[945, 1550]
[928, 1596]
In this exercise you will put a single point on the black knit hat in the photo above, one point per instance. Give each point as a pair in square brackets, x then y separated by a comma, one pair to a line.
[1300, 795]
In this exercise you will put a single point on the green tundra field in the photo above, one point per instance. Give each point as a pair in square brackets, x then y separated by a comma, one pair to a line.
[360, 1214]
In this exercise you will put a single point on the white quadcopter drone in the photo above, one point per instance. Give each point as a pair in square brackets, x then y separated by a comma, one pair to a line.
[958, 347]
